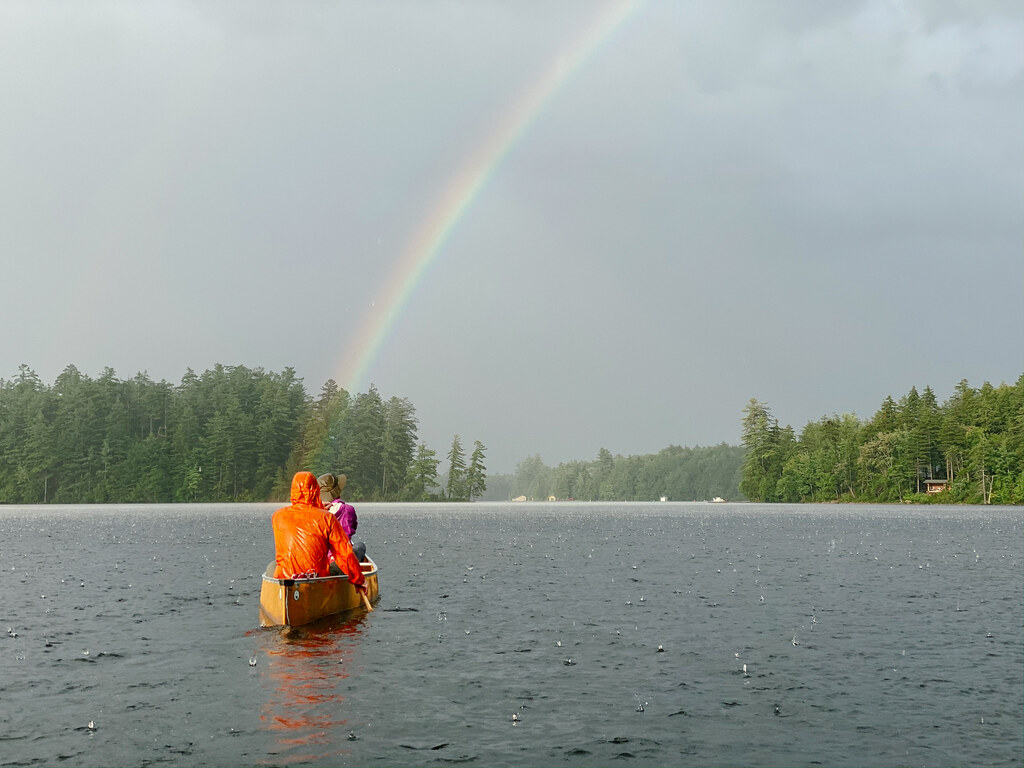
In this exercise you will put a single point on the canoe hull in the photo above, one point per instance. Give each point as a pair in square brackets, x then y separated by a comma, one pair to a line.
[294, 602]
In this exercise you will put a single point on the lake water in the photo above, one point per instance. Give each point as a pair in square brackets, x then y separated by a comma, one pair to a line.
[521, 634]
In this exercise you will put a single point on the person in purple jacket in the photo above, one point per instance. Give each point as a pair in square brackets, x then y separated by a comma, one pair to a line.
[330, 494]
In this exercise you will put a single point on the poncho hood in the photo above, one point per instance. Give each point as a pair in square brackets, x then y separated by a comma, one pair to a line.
[306, 490]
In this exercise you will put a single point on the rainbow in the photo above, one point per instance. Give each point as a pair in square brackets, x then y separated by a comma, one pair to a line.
[464, 188]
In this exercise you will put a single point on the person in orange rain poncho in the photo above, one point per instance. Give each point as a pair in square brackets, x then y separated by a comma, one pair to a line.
[304, 533]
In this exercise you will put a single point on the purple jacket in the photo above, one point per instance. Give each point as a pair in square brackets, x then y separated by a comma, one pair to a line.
[345, 514]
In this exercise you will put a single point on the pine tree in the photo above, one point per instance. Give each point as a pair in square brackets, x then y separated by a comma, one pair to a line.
[363, 443]
[398, 444]
[768, 448]
[476, 474]
[422, 474]
[456, 487]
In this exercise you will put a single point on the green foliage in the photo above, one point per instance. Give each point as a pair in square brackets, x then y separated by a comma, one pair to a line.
[769, 449]
[532, 479]
[363, 445]
[422, 475]
[974, 441]
[476, 472]
[239, 434]
[456, 485]
[679, 474]
[398, 444]
[229, 434]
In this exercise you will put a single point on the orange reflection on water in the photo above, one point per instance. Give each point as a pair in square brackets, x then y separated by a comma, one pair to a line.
[306, 668]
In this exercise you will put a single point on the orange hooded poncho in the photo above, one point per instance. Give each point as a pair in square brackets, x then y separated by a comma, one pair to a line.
[304, 533]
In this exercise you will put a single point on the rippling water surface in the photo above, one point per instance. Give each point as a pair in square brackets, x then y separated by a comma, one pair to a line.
[521, 634]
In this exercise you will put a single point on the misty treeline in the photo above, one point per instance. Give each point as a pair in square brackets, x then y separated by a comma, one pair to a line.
[679, 474]
[230, 434]
[974, 441]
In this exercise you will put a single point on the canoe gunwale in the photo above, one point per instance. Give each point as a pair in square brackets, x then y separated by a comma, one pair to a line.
[367, 572]
[313, 598]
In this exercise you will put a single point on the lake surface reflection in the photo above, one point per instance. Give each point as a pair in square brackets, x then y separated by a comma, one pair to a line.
[521, 634]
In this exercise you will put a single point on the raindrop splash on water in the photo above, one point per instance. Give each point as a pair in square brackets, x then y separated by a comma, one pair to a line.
[640, 705]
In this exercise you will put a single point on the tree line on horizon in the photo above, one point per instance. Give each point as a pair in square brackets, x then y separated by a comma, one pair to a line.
[229, 434]
[974, 442]
[675, 473]
[239, 434]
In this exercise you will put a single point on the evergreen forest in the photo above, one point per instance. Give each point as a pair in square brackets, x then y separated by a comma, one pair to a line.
[238, 434]
[974, 443]
[678, 474]
[230, 434]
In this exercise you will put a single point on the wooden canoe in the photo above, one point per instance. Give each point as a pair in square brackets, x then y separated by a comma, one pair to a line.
[293, 602]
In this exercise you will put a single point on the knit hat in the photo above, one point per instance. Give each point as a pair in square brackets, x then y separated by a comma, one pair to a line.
[331, 487]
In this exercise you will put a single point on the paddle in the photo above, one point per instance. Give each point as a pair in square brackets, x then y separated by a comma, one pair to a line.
[366, 600]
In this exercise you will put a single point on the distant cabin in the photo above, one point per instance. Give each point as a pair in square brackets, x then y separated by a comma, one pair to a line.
[936, 486]
[519, 498]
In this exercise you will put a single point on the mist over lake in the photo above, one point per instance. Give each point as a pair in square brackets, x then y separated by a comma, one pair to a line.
[521, 634]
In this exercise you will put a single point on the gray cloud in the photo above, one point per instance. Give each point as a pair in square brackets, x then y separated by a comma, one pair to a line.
[813, 204]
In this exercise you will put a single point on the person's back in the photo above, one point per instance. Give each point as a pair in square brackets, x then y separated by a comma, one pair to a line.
[305, 532]
[330, 496]
[300, 537]
[345, 514]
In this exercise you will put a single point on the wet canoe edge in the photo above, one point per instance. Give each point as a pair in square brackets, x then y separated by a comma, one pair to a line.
[295, 602]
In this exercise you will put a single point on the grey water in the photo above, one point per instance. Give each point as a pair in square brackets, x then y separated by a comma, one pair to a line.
[521, 634]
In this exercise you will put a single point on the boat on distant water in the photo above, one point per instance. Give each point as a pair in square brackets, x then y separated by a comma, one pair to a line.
[293, 602]
[718, 500]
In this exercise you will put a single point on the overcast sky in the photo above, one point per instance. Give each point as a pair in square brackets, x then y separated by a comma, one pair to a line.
[813, 204]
